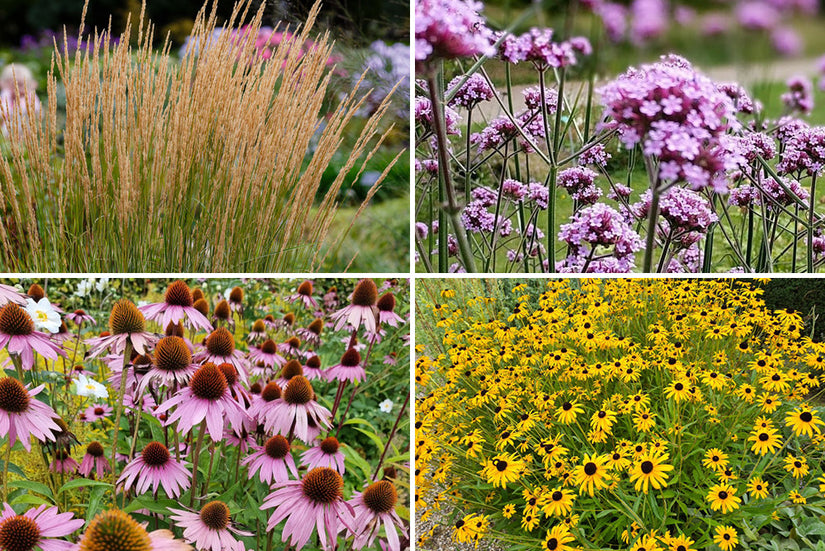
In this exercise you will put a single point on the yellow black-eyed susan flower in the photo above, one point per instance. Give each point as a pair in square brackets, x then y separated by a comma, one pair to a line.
[758, 488]
[715, 459]
[803, 421]
[558, 502]
[725, 537]
[650, 470]
[503, 468]
[765, 440]
[591, 474]
[723, 497]
[557, 539]
[797, 466]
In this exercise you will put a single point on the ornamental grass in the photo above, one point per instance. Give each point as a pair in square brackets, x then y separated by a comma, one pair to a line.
[617, 414]
[212, 162]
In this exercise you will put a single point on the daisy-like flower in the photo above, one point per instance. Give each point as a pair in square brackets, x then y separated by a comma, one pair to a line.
[502, 469]
[155, 468]
[171, 364]
[348, 369]
[62, 463]
[37, 528]
[650, 470]
[272, 461]
[797, 466]
[178, 305]
[715, 459]
[723, 496]
[267, 354]
[210, 529]
[567, 412]
[758, 488]
[291, 369]
[316, 502]
[291, 347]
[591, 474]
[220, 348]
[362, 308]
[45, 317]
[325, 454]
[803, 421]
[765, 441]
[312, 332]
[296, 412]
[372, 508]
[304, 295]
[23, 416]
[94, 460]
[258, 331]
[88, 387]
[557, 539]
[114, 530]
[19, 337]
[206, 398]
[126, 324]
[312, 368]
[263, 402]
[10, 294]
[386, 310]
[223, 313]
[79, 317]
[725, 537]
[235, 297]
[557, 503]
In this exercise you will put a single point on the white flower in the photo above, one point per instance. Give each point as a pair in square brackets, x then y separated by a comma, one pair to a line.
[83, 287]
[102, 284]
[85, 386]
[386, 406]
[44, 316]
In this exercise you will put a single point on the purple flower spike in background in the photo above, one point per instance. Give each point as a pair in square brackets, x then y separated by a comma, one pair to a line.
[447, 29]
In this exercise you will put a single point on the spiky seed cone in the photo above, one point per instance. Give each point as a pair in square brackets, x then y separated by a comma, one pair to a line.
[294, 342]
[305, 289]
[19, 533]
[126, 318]
[291, 369]
[386, 303]
[175, 329]
[201, 306]
[36, 292]
[298, 391]
[172, 354]
[314, 362]
[215, 515]
[208, 382]
[236, 295]
[229, 372]
[222, 310]
[381, 497]
[259, 326]
[289, 319]
[323, 485]
[155, 454]
[197, 294]
[351, 358]
[95, 449]
[15, 321]
[316, 326]
[269, 347]
[365, 294]
[114, 530]
[330, 445]
[220, 342]
[14, 398]
[271, 392]
[277, 447]
[178, 294]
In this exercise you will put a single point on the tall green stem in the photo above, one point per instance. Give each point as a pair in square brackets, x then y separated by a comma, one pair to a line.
[127, 355]
[811, 225]
[195, 460]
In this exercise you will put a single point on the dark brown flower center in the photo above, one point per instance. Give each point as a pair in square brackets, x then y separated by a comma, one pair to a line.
[291, 369]
[197, 294]
[590, 469]
[269, 347]
[14, 398]
[323, 485]
[298, 391]
[115, 531]
[174, 329]
[277, 447]
[806, 416]
[229, 372]
[258, 326]
[126, 318]
[763, 436]
[271, 392]
[314, 362]
[552, 543]
[329, 445]
[222, 311]
[236, 295]
[386, 303]
[95, 449]
[305, 289]
[178, 294]
[723, 495]
[99, 411]
[201, 306]
[289, 318]
[172, 354]
[381, 497]
[220, 342]
[557, 495]
[647, 467]
[155, 454]
[215, 515]
[293, 342]
[15, 321]
[351, 358]
[316, 326]
[365, 294]
[19, 533]
[208, 382]
[36, 292]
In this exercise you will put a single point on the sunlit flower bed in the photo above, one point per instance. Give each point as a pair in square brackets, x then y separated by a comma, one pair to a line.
[617, 414]
[232, 415]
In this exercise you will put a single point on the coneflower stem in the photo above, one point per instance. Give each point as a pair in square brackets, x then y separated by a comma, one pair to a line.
[127, 355]
[354, 390]
[209, 471]
[195, 459]
[6, 473]
[137, 424]
[338, 395]
[392, 434]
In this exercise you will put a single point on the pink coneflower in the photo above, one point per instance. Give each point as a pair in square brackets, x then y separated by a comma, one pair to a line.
[9, 294]
[236, 389]
[206, 398]
[312, 332]
[127, 534]
[18, 336]
[272, 461]
[291, 369]
[244, 440]
[210, 529]
[94, 460]
[223, 313]
[374, 507]
[304, 295]
[386, 310]
[316, 502]
[236, 299]
[63, 334]
[79, 317]
[291, 347]
[220, 348]
[155, 467]
[391, 359]
[36, 528]
[362, 309]
[263, 402]
[375, 337]
[331, 299]
[177, 305]
[96, 412]
[171, 365]
[126, 324]
[23, 416]
[267, 354]
[284, 323]
[258, 331]
[312, 368]
[62, 463]
[326, 454]
[296, 412]
[348, 369]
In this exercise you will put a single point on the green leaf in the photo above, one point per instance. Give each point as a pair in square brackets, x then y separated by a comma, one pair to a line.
[13, 469]
[30, 499]
[95, 499]
[354, 459]
[82, 483]
[33, 486]
[375, 440]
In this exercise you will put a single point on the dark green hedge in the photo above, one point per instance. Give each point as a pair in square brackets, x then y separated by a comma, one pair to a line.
[806, 296]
